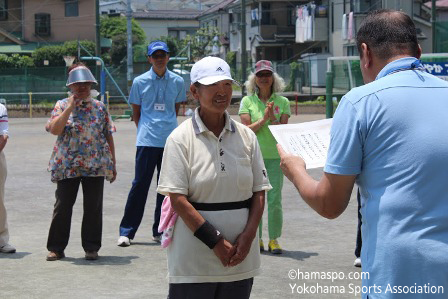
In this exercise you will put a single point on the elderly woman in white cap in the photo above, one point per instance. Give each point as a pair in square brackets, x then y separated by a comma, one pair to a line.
[213, 171]
[83, 154]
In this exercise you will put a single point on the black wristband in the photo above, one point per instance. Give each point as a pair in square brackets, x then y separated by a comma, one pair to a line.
[208, 234]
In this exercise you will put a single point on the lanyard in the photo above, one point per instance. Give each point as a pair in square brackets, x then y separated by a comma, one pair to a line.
[416, 65]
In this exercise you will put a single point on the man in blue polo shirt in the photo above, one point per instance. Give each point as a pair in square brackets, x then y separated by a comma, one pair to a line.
[390, 136]
[155, 97]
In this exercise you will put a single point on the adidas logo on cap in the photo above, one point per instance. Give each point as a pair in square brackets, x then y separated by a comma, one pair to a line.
[210, 70]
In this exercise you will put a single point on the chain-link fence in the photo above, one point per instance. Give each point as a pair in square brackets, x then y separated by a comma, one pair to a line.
[43, 86]
[441, 43]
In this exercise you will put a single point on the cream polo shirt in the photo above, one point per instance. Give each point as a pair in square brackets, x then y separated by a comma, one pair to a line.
[208, 169]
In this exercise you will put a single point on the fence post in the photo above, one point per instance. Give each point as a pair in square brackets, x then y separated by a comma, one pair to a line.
[103, 86]
[329, 95]
[107, 100]
[311, 80]
[30, 94]
[297, 104]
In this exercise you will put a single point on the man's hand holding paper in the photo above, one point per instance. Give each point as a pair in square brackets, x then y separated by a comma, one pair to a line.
[308, 140]
[289, 163]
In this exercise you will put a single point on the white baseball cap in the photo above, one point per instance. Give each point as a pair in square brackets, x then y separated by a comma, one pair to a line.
[210, 70]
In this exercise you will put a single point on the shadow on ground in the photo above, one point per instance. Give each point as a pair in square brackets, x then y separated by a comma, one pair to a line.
[14, 256]
[295, 255]
[102, 260]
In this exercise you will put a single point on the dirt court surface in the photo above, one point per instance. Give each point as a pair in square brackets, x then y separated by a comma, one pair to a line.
[318, 253]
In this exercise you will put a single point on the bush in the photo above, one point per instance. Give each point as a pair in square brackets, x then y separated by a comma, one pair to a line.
[51, 53]
[71, 47]
[55, 54]
[15, 61]
[5, 61]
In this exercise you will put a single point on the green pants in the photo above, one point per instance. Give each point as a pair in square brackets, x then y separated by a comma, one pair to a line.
[274, 206]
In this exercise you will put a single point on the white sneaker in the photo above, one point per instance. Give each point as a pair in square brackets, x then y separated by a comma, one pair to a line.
[157, 239]
[7, 249]
[357, 262]
[123, 241]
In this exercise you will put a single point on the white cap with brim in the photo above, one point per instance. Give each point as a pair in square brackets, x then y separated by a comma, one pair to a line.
[210, 70]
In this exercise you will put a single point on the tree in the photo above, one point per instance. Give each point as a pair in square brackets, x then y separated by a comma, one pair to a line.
[119, 49]
[174, 44]
[111, 27]
[115, 28]
[201, 43]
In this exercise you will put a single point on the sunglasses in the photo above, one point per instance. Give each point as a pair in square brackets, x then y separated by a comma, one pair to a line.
[265, 74]
[158, 56]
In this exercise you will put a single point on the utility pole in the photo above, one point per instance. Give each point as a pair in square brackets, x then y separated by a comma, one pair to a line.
[243, 46]
[433, 24]
[130, 63]
[98, 37]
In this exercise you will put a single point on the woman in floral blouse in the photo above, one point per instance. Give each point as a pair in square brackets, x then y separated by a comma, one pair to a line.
[84, 154]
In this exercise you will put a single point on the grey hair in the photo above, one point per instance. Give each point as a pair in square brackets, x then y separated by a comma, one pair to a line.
[278, 84]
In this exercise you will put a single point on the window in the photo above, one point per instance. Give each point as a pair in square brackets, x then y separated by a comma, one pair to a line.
[3, 9]
[71, 8]
[235, 21]
[364, 6]
[254, 15]
[178, 34]
[42, 24]
[352, 51]
[173, 33]
[291, 16]
[421, 11]
[265, 13]
[278, 52]
[332, 17]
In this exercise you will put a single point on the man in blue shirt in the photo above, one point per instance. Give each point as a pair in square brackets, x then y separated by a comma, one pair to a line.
[390, 136]
[155, 97]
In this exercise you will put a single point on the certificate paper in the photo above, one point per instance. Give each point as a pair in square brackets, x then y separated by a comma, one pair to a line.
[309, 140]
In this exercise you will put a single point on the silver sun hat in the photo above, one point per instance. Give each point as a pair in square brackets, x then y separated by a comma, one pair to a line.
[80, 74]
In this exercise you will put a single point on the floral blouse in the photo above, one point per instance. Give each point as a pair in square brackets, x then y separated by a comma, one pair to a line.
[82, 149]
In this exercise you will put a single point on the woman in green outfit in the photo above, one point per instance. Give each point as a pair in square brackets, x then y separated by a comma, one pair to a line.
[257, 111]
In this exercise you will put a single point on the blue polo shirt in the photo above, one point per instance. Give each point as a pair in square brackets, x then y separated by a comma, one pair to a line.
[157, 97]
[392, 134]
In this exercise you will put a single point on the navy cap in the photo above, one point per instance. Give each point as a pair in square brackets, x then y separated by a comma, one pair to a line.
[156, 46]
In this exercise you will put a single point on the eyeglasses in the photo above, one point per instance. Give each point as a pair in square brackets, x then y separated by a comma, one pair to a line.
[158, 56]
[264, 74]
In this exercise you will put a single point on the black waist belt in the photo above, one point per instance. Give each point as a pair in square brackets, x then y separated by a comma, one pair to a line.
[221, 206]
